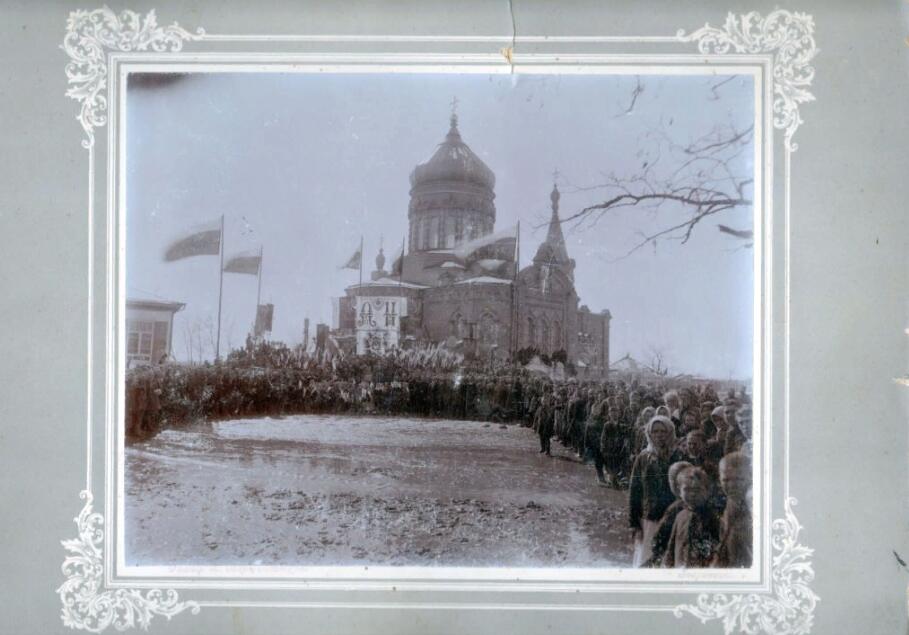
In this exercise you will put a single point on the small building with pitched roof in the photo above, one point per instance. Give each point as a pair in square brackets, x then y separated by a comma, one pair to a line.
[149, 329]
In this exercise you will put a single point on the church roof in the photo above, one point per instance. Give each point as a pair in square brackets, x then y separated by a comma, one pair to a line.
[387, 282]
[138, 299]
[553, 250]
[454, 161]
[484, 280]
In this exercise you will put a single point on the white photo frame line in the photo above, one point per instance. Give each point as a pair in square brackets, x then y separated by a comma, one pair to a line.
[505, 579]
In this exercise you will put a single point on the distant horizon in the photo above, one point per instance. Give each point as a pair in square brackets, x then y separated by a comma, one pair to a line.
[305, 163]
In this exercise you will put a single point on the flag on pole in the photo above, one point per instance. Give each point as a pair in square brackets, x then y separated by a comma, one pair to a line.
[498, 246]
[202, 240]
[264, 316]
[247, 262]
[355, 260]
[398, 264]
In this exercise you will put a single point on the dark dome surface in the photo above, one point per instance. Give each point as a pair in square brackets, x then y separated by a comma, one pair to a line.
[453, 160]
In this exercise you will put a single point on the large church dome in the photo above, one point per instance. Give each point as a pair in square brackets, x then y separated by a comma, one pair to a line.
[454, 161]
[451, 196]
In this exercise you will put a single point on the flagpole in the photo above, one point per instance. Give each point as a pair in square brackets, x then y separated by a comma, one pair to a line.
[401, 268]
[220, 291]
[361, 260]
[514, 294]
[258, 295]
[259, 288]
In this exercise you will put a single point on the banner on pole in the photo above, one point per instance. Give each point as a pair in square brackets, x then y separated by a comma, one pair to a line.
[264, 315]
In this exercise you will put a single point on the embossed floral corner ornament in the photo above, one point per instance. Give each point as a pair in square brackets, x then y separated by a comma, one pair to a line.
[90, 34]
[85, 605]
[789, 611]
[788, 37]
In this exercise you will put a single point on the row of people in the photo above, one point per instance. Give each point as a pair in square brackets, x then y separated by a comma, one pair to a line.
[686, 463]
[631, 432]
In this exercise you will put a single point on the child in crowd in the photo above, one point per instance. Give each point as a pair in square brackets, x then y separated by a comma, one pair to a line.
[661, 537]
[735, 548]
[696, 530]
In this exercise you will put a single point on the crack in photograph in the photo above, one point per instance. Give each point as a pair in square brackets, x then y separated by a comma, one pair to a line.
[439, 319]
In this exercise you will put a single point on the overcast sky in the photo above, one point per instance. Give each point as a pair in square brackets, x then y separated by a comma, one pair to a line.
[304, 163]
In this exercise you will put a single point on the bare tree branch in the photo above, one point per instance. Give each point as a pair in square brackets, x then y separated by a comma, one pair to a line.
[713, 89]
[745, 234]
[698, 179]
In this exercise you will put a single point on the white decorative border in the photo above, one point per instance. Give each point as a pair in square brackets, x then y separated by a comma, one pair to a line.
[787, 36]
[789, 611]
[85, 606]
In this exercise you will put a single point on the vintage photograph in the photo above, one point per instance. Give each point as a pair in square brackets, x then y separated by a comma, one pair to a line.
[439, 319]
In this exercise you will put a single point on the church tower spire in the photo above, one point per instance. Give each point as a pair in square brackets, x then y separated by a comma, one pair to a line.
[553, 251]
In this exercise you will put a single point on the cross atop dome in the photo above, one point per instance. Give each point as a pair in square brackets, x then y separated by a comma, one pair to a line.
[454, 111]
[554, 196]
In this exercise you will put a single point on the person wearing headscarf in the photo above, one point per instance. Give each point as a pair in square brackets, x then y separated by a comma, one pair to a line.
[649, 493]
[640, 437]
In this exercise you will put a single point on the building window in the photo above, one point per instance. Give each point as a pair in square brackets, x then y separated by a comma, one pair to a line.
[425, 242]
[489, 331]
[458, 229]
[474, 231]
[457, 326]
[531, 332]
[140, 335]
[443, 243]
[556, 336]
[434, 233]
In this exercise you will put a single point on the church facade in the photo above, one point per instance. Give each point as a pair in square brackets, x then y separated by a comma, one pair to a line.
[459, 282]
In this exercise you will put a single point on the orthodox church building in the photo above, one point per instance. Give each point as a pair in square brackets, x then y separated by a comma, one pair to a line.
[459, 282]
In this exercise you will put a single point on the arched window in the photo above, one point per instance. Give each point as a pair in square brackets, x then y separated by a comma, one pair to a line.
[489, 330]
[457, 326]
[442, 233]
[545, 335]
[473, 228]
[458, 229]
[557, 336]
[424, 243]
[433, 233]
[531, 332]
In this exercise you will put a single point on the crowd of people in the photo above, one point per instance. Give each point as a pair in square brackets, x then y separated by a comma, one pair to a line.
[684, 455]
[682, 452]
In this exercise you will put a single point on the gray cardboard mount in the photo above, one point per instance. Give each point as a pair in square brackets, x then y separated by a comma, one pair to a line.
[849, 286]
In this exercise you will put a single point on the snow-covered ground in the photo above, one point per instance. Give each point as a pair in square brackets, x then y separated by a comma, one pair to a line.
[335, 490]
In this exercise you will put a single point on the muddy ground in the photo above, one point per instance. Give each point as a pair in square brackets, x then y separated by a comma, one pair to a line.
[334, 490]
